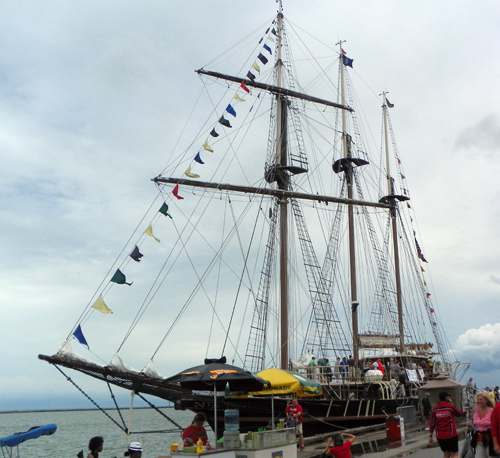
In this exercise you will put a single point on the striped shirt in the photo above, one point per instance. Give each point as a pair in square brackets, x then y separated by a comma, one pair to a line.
[443, 420]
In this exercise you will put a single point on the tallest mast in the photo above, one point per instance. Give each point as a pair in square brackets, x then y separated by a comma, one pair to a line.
[281, 161]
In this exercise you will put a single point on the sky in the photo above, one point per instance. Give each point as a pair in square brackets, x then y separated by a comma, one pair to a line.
[93, 96]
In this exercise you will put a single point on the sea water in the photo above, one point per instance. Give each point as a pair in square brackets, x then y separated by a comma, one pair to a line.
[75, 428]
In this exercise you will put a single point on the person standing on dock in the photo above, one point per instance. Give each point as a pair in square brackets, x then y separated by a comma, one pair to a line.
[295, 411]
[443, 421]
[426, 410]
[481, 419]
[495, 427]
[340, 448]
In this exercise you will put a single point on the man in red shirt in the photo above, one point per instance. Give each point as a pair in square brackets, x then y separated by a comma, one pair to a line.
[295, 412]
[495, 427]
[340, 448]
[443, 421]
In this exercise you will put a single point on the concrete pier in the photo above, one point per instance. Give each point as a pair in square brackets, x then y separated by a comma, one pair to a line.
[371, 442]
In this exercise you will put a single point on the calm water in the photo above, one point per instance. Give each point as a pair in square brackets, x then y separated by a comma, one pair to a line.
[75, 428]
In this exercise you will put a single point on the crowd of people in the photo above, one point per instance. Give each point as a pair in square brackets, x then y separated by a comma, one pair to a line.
[346, 369]
[483, 423]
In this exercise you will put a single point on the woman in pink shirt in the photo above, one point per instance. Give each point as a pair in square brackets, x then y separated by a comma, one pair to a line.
[481, 418]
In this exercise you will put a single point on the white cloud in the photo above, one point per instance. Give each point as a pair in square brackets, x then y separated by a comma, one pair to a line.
[93, 97]
[480, 347]
[484, 135]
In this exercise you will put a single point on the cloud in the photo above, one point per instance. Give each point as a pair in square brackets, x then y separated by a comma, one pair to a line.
[480, 347]
[495, 279]
[484, 135]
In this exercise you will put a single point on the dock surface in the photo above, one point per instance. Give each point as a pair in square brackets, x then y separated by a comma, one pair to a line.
[372, 442]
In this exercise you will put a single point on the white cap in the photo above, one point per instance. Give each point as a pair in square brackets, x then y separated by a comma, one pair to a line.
[135, 447]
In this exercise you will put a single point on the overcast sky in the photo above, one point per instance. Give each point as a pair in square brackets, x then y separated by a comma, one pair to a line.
[93, 96]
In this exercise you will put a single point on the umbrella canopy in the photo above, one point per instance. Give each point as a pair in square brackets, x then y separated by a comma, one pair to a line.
[215, 375]
[285, 382]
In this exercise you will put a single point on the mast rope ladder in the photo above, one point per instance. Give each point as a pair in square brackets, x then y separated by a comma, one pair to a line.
[324, 315]
[384, 283]
[299, 158]
[328, 273]
[255, 352]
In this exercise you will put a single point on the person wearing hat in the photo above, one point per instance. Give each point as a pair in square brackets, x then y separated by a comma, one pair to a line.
[134, 450]
[443, 421]
[426, 410]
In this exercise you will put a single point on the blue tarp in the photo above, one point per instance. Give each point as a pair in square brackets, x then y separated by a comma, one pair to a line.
[32, 433]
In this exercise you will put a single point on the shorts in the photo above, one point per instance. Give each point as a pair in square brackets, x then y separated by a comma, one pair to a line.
[449, 445]
[299, 429]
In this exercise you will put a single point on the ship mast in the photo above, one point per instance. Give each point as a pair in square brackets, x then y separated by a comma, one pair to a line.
[348, 169]
[281, 161]
[393, 212]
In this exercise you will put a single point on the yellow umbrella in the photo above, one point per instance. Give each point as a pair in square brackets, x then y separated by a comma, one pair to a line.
[286, 382]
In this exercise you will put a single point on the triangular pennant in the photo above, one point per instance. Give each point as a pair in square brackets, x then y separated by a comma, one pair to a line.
[224, 121]
[242, 85]
[213, 133]
[274, 32]
[238, 98]
[78, 335]
[207, 148]
[100, 306]
[267, 48]
[425, 283]
[136, 255]
[262, 58]
[164, 210]
[198, 159]
[149, 232]
[230, 110]
[256, 67]
[119, 278]
[251, 76]
[271, 39]
[189, 174]
[389, 104]
[175, 192]
[419, 251]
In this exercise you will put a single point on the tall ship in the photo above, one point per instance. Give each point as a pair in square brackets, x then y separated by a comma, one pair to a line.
[281, 235]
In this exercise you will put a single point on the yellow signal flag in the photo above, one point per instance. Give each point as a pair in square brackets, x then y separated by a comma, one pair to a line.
[206, 147]
[238, 98]
[100, 306]
[190, 174]
[149, 232]
[256, 67]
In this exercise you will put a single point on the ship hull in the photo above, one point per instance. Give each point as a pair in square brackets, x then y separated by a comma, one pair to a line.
[320, 415]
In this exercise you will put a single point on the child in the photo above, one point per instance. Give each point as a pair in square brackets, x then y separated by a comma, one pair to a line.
[340, 448]
[292, 422]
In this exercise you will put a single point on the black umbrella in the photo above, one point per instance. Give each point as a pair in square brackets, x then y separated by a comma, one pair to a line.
[215, 375]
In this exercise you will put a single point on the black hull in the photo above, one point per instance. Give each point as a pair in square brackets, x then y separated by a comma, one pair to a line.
[320, 415]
